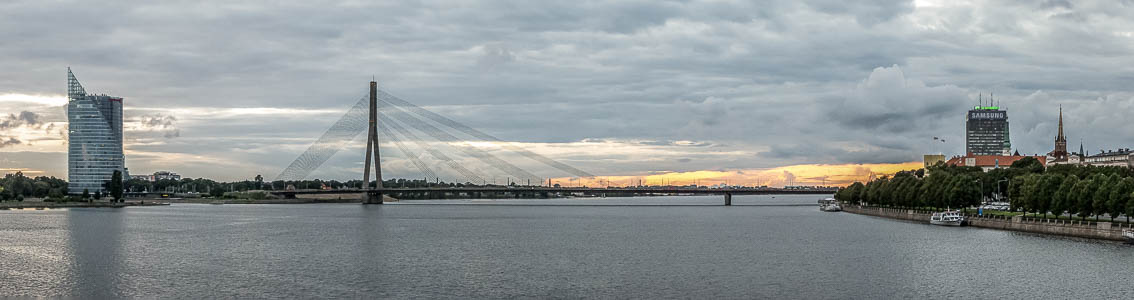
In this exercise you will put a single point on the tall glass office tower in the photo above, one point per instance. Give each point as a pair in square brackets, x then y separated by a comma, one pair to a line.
[94, 138]
[987, 131]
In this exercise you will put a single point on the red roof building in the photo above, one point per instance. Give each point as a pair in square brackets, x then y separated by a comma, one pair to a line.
[989, 162]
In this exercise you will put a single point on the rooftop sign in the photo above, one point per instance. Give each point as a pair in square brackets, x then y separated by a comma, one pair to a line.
[987, 107]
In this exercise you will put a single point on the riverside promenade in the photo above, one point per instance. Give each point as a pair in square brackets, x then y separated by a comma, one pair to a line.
[1083, 229]
[42, 204]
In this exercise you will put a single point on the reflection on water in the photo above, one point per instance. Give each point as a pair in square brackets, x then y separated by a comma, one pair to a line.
[95, 247]
[512, 248]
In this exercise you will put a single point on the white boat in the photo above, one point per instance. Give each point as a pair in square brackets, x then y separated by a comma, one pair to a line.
[829, 205]
[948, 218]
[1128, 234]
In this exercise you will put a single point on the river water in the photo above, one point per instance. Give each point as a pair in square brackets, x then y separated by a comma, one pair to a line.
[647, 247]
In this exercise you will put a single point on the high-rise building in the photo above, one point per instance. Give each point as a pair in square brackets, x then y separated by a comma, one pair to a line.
[987, 131]
[94, 138]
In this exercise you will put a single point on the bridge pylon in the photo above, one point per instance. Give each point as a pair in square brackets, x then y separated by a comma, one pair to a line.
[370, 196]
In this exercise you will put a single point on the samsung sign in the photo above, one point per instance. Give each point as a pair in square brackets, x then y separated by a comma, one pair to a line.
[987, 115]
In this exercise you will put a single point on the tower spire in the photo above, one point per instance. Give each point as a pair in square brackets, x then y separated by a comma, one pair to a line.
[74, 88]
[1060, 137]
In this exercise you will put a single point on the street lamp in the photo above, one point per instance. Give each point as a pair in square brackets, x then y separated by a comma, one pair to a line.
[981, 189]
[998, 185]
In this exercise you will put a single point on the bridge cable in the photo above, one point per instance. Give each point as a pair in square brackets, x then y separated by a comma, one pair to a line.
[382, 95]
[414, 158]
[470, 150]
[349, 126]
[469, 175]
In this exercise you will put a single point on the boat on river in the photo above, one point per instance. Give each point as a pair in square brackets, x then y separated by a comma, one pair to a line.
[947, 218]
[829, 205]
[1128, 234]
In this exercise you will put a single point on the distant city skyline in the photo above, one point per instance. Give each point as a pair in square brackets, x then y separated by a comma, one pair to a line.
[798, 90]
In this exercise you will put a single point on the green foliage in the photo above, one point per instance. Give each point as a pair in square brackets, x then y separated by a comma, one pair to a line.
[86, 194]
[1075, 190]
[1028, 165]
[114, 186]
[16, 184]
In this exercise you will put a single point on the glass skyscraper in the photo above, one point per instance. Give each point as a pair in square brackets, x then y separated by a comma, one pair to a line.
[94, 138]
[987, 131]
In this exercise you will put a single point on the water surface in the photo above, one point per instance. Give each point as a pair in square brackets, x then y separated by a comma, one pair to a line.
[646, 247]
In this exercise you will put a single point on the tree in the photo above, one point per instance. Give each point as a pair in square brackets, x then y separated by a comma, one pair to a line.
[1062, 201]
[1084, 191]
[1051, 187]
[1028, 164]
[97, 195]
[216, 193]
[115, 186]
[86, 194]
[1101, 195]
[1116, 202]
[1129, 207]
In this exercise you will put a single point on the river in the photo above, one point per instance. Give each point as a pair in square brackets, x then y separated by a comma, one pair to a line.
[644, 247]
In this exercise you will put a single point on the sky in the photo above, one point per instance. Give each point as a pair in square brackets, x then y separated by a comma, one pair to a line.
[744, 92]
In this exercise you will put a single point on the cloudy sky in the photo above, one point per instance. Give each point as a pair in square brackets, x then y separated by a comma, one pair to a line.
[760, 92]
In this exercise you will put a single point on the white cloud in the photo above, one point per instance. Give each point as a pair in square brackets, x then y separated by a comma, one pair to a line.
[762, 84]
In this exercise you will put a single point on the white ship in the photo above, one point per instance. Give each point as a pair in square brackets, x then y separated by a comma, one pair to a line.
[829, 204]
[948, 218]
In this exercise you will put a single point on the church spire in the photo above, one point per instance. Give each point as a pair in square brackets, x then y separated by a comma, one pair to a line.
[1060, 137]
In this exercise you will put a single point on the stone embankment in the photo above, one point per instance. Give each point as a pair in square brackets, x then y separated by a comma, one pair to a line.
[1083, 229]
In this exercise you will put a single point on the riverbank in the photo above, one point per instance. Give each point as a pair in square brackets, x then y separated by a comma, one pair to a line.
[1083, 229]
[42, 205]
[356, 198]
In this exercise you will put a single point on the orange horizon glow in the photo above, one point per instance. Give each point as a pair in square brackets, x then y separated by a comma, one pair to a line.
[794, 175]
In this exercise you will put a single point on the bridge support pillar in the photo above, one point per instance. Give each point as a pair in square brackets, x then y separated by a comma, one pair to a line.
[372, 198]
[728, 199]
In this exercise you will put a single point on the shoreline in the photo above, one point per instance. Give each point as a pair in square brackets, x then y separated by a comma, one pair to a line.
[1101, 230]
[43, 205]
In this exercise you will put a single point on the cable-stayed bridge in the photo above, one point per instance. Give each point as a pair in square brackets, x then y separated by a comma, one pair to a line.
[380, 114]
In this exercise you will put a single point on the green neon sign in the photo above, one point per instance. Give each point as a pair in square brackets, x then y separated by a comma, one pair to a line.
[987, 107]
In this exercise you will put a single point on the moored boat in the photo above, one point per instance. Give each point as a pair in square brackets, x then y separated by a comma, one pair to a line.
[829, 205]
[1128, 234]
[947, 218]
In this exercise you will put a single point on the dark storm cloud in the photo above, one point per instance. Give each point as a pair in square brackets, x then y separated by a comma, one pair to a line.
[9, 141]
[718, 84]
[25, 118]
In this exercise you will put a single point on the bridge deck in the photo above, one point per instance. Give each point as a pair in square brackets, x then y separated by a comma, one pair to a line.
[646, 190]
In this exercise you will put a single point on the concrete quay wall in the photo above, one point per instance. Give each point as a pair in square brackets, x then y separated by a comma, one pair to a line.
[1083, 229]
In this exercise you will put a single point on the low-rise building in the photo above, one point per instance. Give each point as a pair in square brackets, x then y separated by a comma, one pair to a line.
[1116, 158]
[930, 160]
[989, 162]
[159, 175]
[163, 175]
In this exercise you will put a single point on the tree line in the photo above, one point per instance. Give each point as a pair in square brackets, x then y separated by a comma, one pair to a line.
[1026, 185]
[17, 186]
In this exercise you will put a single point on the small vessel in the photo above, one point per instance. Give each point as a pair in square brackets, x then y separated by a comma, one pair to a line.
[1128, 234]
[829, 205]
[947, 218]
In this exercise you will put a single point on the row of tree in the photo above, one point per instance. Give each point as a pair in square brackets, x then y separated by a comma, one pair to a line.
[1059, 194]
[16, 186]
[1026, 184]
